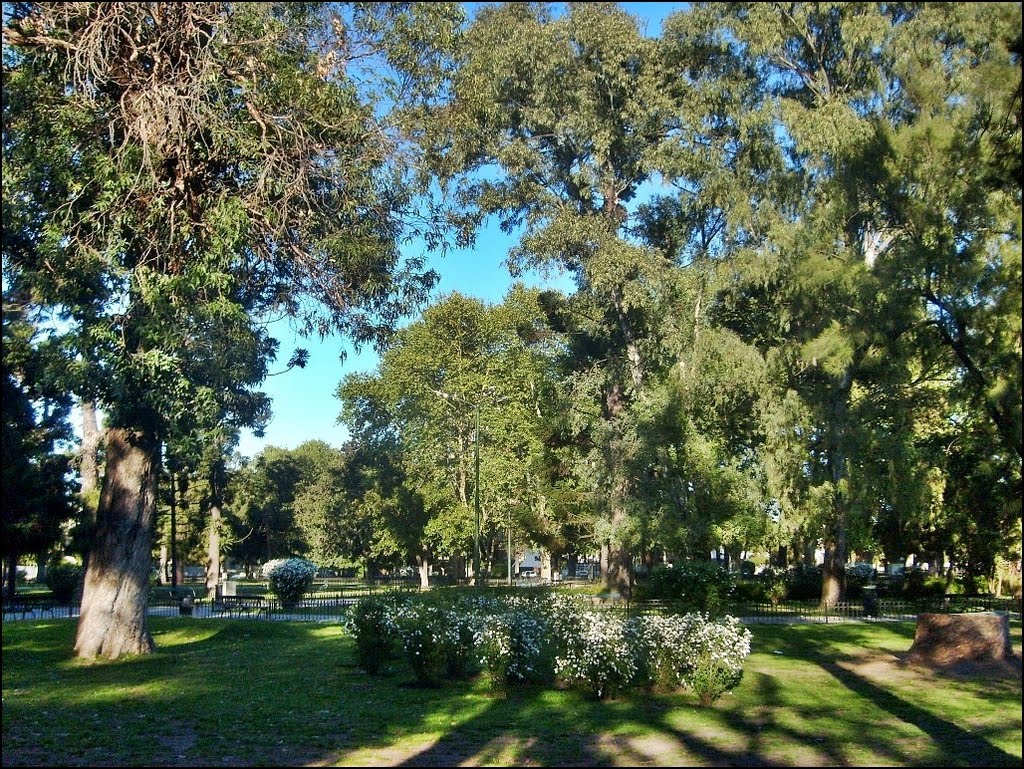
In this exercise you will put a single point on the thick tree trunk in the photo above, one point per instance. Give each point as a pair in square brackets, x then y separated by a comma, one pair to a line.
[618, 574]
[115, 595]
[833, 572]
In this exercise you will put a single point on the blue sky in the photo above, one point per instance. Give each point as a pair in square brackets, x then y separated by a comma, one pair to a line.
[304, 402]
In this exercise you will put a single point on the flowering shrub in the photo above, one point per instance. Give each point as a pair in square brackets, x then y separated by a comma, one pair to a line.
[604, 660]
[435, 640]
[509, 647]
[422, 631]
[717, 650]
[663, 649]
[289, 579]
[374, 630]
[515, 639]
[459, 643]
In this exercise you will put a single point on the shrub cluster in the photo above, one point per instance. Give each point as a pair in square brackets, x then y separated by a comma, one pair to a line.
[64, 580]
[289, 579]
[549, 639]
[803, 583]
[697, 586]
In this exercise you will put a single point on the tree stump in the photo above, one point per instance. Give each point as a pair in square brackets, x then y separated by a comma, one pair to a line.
[949, 639]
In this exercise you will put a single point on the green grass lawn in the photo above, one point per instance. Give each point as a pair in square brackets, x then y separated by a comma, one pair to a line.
[250, 692]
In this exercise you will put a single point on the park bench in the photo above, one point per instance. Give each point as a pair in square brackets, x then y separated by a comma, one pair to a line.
[182, 597]
[240, 605]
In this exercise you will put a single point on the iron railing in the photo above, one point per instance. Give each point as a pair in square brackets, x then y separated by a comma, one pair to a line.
[331, 605]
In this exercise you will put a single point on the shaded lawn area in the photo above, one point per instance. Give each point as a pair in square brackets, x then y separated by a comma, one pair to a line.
[250, 692]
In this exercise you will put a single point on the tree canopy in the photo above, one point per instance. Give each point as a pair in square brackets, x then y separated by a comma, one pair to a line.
[793, 232]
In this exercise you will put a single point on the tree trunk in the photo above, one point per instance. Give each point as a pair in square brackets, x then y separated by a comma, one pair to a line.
[616, 572]
[164, 574]
[90, 473]
[10, 575]
[423, 562]
[618, 576]
[782, 559]
[213, 549]
[833, 584]
[90, 467]
[115, 595]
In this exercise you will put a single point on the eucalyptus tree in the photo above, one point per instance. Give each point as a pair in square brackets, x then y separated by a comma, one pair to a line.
[176, 173]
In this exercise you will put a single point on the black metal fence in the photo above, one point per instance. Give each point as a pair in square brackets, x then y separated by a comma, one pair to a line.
[329, 605]
[890, 609]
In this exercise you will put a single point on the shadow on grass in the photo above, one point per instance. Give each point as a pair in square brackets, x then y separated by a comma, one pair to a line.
[953, 740]
[246, 692]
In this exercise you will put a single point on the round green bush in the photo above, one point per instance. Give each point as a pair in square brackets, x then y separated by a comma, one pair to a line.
[64, 580]
[803, 582]
[372, 626]
[289, 579]
[702, 586]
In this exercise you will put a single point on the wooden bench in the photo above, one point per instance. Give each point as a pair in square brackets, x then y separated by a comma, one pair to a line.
[240, 605]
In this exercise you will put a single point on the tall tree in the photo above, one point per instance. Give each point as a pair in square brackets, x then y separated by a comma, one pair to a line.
[877, 261]
[175, 172]
[562, 113]
[458, 390]
[38, 491]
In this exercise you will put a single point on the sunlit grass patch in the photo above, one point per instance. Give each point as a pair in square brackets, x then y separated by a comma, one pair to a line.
[249, 692]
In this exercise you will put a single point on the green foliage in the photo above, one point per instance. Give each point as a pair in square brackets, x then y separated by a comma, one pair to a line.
[465, 372]
[709, 679]
[699, 586]
[916, 583]
[857, 576]
[769, 585]
[290, 579]
[803, 582]
[38, 490]
[161, 215]
[371, 625]
[64, 579]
